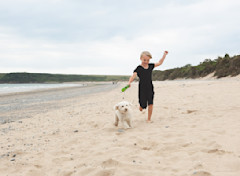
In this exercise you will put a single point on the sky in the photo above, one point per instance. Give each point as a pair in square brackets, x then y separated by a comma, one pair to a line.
[106, 37]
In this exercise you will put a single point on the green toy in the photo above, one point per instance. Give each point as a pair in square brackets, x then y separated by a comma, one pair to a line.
[125, 88]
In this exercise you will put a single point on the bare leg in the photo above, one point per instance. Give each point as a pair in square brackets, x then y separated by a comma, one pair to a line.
[140, 108]
[150, 109]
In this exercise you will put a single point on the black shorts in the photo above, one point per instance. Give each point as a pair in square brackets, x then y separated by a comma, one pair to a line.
[145, 98]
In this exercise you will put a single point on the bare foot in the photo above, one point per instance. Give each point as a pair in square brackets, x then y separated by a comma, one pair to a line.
[149, 121]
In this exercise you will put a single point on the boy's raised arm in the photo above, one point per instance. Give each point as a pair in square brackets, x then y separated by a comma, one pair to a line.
[161, 60]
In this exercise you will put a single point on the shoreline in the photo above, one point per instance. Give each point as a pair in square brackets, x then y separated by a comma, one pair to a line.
[16, 106]
[81, 84]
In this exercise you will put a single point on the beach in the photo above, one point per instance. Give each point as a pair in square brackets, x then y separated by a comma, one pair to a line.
[18, 105]
[195, 132]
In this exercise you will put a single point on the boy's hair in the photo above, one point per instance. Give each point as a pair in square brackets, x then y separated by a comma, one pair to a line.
[147, 53]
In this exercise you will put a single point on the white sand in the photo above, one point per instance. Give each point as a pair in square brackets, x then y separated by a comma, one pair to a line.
[195, 133]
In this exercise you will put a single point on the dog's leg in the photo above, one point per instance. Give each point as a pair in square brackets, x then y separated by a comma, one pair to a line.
[116, 120]
[125, 124]
[130, 123]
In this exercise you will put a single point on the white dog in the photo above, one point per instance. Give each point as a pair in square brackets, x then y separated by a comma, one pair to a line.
[123, 113]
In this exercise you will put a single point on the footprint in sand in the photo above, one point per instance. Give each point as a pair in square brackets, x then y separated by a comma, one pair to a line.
[146, 148]
[67, 173]
[187, 144]
[105, 173]
[213, 144]
[217, 151]
[120, 131]
[37, 166]
[109, 163]
[201, 173]
[86, 171]
[145, 145]
[191, 111]
[198, 166]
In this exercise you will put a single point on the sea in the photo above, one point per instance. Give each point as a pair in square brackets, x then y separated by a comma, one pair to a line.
[14, 88]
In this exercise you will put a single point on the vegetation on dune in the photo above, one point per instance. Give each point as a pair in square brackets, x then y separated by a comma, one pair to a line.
[221, 67]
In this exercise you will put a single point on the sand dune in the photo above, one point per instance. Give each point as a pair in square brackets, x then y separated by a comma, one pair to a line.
[195, 132]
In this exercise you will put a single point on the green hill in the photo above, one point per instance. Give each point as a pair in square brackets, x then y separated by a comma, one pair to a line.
[47, 78]
[221, 67]
[1, 75]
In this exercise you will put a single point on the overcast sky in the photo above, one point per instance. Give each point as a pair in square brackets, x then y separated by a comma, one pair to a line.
[107, 36]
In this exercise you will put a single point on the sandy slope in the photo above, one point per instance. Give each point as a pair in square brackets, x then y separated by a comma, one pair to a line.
[195, 133]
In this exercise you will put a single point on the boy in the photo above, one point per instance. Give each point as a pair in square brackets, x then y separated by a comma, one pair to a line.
[145, 88]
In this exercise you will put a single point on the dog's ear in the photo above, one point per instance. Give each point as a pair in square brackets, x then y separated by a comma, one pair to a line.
[116, 107]
[130, 104]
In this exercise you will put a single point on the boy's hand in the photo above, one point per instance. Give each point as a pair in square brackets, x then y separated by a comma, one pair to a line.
[161, 60]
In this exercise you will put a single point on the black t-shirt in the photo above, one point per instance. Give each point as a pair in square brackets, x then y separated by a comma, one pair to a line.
[145, 76]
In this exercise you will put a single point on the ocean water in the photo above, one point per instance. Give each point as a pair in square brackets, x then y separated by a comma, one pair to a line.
[14, 88]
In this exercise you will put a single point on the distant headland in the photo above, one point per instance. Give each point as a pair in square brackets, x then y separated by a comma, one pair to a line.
[221, 67]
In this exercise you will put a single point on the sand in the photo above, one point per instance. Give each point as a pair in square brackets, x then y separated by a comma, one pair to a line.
[195, 132]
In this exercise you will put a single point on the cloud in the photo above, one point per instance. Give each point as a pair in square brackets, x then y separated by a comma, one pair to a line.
[106, 37]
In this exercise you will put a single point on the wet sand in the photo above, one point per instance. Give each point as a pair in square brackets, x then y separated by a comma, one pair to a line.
[15, 106]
